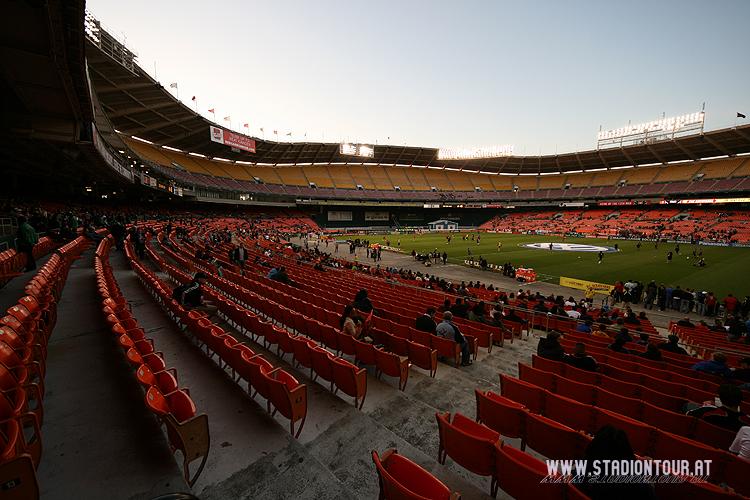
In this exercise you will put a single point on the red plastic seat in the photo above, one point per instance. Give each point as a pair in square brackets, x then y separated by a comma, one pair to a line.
[578, 416]
[402, 479]
[346, 344]
[519, 475]
[471, 445]
[673, 447]
[535, 376]
[640, 435]
[302, 349]
[288, 397]
[501, 414]
[350, 380]
[531, 396]
[552, 439]
[446, 348]
[178, 404]
[322, 365]
[364, 353]
[423, 356]
[618, 403]
[393, 366]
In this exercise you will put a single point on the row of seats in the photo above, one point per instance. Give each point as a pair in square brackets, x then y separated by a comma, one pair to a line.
[320, 325]
[400, 478]
[481, 450]
[13, 262]
[645, 439]
[341, 374]
[556, 441]
[24, 333]
[187, 430]
[667, 416]
[278, 387]
[705, 342]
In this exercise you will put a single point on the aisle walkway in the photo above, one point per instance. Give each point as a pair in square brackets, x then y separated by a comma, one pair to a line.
[99, 441]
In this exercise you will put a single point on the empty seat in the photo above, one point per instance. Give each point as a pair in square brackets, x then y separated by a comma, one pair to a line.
[501, 414]
[400, 478]
[519, 475]
[469, 444]
[392, 365]
[350, 380]
[552, 439]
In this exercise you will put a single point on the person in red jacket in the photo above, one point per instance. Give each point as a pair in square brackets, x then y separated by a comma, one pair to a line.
[730, 303]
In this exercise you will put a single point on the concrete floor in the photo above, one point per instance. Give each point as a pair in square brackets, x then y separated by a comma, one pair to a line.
[101, 442]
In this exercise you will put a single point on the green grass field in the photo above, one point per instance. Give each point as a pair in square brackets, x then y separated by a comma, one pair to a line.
[727, 270]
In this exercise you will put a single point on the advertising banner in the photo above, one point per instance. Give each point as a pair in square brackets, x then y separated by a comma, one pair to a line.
[339, 215]
[232, 139]
[586, 285]
[377, 216]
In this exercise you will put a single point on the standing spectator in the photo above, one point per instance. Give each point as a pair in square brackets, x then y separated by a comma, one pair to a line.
[447, 329]
[730, 304]
[27, 238]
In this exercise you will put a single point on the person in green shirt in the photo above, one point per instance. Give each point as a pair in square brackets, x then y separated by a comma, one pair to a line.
[26, 239]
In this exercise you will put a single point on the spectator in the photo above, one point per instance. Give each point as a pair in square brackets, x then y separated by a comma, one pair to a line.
[643, 339]
[580, 359]
[549, 347]
[447, 329]
[477, 312]
[585, 327]
[279, 274]
[426, 322]
[459, 309]
[652, 352]
[618, 345]
[715, 366]
[685, 322]
[27, 238]
[724, 411]
[348, 323]
[742, 373]
[625, 335]
[190, 295]
[730, 303]
[572, 313]
[741, 444]
[610, 443]
[362, 301]
[672, 345]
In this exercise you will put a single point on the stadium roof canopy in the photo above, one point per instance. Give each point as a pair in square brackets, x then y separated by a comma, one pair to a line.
[137, 105]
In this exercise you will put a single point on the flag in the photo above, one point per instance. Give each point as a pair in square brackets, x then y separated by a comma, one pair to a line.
[227, 118]
[740, 115]
[173, 85]
[247, 125]
[211, 110]
[261, 129]
[275, 132]
[289, 134]
[193, 99]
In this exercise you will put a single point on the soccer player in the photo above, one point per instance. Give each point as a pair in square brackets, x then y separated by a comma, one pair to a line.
[601, 256]
[669, 257]
[499, 245]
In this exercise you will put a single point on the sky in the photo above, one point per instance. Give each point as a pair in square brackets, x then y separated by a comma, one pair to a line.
[542, 76]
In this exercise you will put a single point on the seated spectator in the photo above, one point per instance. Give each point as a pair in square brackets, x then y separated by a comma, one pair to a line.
[190, 295]
[685, 322]
[549, 347]
[619, 345]
[610, 443]
[580, 359]
[625, 334]
[715, 366]
[742, 373]
[362, 301]
[741, 444]
[447, 329]
[573, 314]
[477, 312]
[724, 411]
[541, 307]
[459, 309]
[279, 274]
[446, 305]
[512, 316]
[597, 331]
[672, 345]
[718, 326]
[585, 327]
[349, 323]
[426, 322]
[652, 352]
[642, 339]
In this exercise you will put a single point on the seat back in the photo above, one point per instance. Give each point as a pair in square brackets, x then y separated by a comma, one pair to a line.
[531, 396]
[519, 475]
[402, 479]
[469, 444]
[501, 414]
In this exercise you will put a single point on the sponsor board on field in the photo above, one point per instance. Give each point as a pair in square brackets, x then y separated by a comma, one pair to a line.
[568, 247]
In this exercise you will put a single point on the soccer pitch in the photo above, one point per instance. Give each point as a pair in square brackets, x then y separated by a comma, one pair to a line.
[727, 269]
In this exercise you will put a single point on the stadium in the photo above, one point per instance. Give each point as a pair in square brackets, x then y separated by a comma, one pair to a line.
[192, 310]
